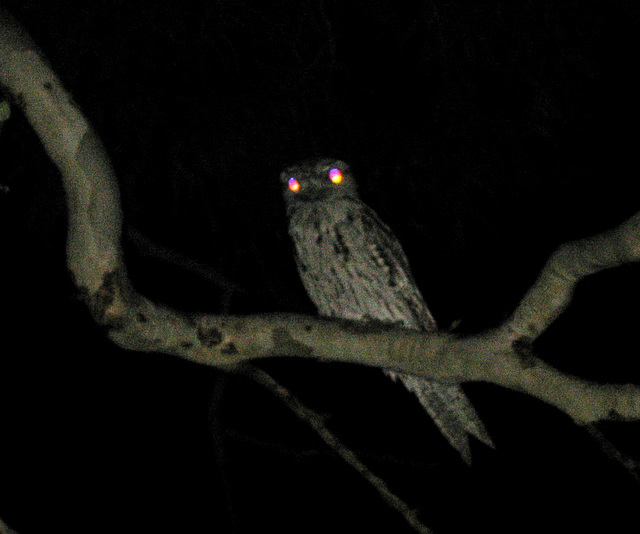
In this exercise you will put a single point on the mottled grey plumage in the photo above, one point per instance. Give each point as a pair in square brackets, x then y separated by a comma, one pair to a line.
[353, 267]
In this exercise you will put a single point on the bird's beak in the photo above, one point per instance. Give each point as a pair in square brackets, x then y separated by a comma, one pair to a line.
[313, 194]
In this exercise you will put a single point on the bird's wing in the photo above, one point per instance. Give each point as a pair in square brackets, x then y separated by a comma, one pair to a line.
[353, 267]
[400, 300]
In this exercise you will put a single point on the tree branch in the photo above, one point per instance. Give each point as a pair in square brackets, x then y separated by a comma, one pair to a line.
[133, 322]
[315, 421]
[570, 263]
[4, 529]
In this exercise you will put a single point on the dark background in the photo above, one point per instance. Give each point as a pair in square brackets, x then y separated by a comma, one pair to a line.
[485, 133]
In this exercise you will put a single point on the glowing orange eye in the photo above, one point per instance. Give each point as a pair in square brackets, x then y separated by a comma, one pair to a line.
[294, 185]
[335, 175]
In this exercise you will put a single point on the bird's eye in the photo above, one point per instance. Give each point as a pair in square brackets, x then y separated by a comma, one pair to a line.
[294, 185]
[335, 175]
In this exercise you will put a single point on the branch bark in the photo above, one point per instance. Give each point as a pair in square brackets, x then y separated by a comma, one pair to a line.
[94, 258]
[4, 528]
[570, 263]
[503, 356]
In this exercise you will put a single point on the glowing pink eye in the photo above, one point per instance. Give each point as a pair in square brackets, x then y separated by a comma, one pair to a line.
[335, 175]
[294, 185]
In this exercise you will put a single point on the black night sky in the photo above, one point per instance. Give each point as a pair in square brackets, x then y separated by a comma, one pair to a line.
[485, 133]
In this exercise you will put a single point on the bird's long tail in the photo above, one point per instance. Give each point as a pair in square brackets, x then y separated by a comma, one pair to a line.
[451, 410]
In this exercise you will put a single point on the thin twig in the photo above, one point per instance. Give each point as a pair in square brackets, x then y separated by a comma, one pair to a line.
[315, 421]
[610, 450]
[298, 453]
[217, 435]
[203, 270]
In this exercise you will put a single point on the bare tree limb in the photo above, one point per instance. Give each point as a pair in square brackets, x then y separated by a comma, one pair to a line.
[502, 356]
[315, 421]
[4, 529]
[570, 263]
[630, 465]
[204, 271]
[133, 322]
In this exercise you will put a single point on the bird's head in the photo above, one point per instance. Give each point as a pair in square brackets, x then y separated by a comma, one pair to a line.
[317, 180]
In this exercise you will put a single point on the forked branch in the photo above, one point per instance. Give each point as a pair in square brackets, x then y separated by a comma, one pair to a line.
[94, 257]
[132, 321]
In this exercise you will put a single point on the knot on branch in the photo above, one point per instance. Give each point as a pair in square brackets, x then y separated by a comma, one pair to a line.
[523, 347]
[111, 303]
[626, 404]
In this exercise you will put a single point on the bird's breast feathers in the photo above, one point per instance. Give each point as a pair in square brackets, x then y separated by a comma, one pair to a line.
[353, 267]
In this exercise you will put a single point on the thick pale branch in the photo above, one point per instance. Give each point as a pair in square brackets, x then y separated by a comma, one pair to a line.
[4, 529]
[227, 341]
[493, 358]
[570, 263]
[133, 322]
[93, 239]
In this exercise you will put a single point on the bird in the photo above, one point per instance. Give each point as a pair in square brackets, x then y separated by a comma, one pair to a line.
[353, 267]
